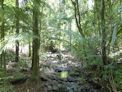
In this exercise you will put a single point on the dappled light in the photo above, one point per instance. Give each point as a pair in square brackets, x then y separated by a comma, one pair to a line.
[60, 46]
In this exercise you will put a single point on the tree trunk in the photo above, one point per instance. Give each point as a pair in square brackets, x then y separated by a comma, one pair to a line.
[97, 16]
[78, 16]
[29, 51]
[70, 35]
[17, 32]
[35, 43]
[3, 62]
[103, 43]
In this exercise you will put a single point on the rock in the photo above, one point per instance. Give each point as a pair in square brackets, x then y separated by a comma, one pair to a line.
[61, 69]
[87, 89]
[59, 56]
[62, 89]
[43, 78]
[25, 70]
[54, 50]
[58, 69]
[11, 65]
[71, 79]
[54, 78]
[75, 74]
[49, 87]
[19, 80]
[55, 87]
[119, 61]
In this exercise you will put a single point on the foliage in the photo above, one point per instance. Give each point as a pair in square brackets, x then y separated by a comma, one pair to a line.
[118, 77]
[62, 22]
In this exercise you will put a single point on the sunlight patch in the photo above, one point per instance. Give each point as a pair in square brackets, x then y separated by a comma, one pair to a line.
[64, 74]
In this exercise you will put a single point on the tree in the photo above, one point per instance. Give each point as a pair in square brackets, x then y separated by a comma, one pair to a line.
[103, 31]
[17, 31]
[35, 42]
[77, 16]
[3, 62]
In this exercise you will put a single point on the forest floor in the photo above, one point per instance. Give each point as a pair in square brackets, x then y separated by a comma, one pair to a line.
[59, 72]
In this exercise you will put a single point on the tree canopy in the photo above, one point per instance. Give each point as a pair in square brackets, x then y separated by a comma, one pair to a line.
[35, 34]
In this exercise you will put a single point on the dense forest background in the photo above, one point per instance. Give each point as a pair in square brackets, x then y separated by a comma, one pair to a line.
[60, 45]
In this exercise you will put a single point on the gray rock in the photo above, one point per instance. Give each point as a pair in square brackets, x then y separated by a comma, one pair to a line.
[71, 79]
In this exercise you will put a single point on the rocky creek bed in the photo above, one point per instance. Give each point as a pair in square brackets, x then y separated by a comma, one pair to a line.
[59, 72]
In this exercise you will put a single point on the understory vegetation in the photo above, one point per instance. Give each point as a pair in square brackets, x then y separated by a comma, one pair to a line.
[60, 45]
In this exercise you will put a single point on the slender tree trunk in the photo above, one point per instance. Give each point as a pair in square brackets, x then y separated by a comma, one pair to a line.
[17, 32]
[70, 35]
[77, 16]
[111, 26]
[2, 38]
[103, 43]
[3, 62]
[29, 54]
[97, 16]
[35, 43]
